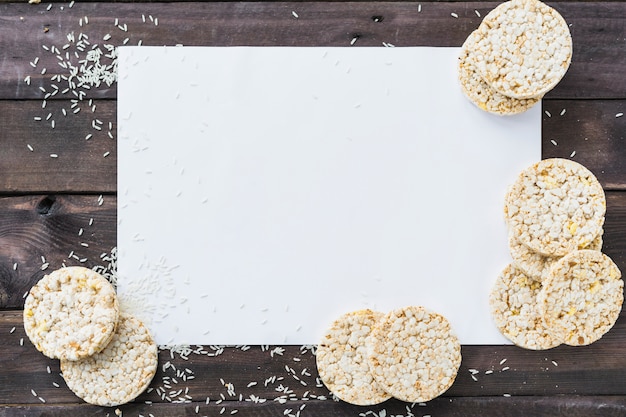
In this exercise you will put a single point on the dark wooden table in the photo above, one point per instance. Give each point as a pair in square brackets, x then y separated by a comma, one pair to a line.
[62, 210]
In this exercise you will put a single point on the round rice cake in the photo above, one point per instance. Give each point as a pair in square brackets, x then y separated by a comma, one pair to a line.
[582, 297]
[71, 313]
[479, 92]
[342, 359]
[535, 265]
[119, 373]
[524, 48]
[514, 309]
[413, 354]
[555, 207]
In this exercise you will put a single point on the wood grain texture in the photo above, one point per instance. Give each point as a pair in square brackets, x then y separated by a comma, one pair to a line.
[48, 226]
[82, 165]
[588, 132]
[564, 406]
[597, 31]
[588, 127]
[598, 369]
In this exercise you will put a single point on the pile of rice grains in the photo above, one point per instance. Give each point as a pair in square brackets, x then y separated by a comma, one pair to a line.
[559, 289]
[107, 357]
[520, 51]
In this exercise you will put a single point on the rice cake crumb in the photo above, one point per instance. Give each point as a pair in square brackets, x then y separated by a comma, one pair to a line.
[413, 354]
[342, 359]
[582, 296]
[514, 309]
[71, 313]
[524, 48]
[119, 373]
[482, 94]
[556, 206]
[536, 265]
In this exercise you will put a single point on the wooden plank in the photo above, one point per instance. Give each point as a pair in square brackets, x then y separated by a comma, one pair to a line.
[589, 132]
[597, 29]
[49, 226]
[598, 369]
[570, 406]
[80, 165]
[588, 127]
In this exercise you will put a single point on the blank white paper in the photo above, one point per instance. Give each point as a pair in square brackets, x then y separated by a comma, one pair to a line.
[264, 191]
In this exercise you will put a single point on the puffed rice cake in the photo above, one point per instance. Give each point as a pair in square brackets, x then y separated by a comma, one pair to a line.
[413, 354]
[524, 48]
[535, 265]
[119, 373]
[342, 359]
[582, 297]
[555, 206]
[71, 313]
[514, 309]
[479, 92]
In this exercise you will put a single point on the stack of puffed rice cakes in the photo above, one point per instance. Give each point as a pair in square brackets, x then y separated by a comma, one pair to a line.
[107, 358]
[520, 51]
[368, 357]
[560, 288]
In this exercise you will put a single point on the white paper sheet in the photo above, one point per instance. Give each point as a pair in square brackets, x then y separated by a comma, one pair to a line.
[265, 191]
